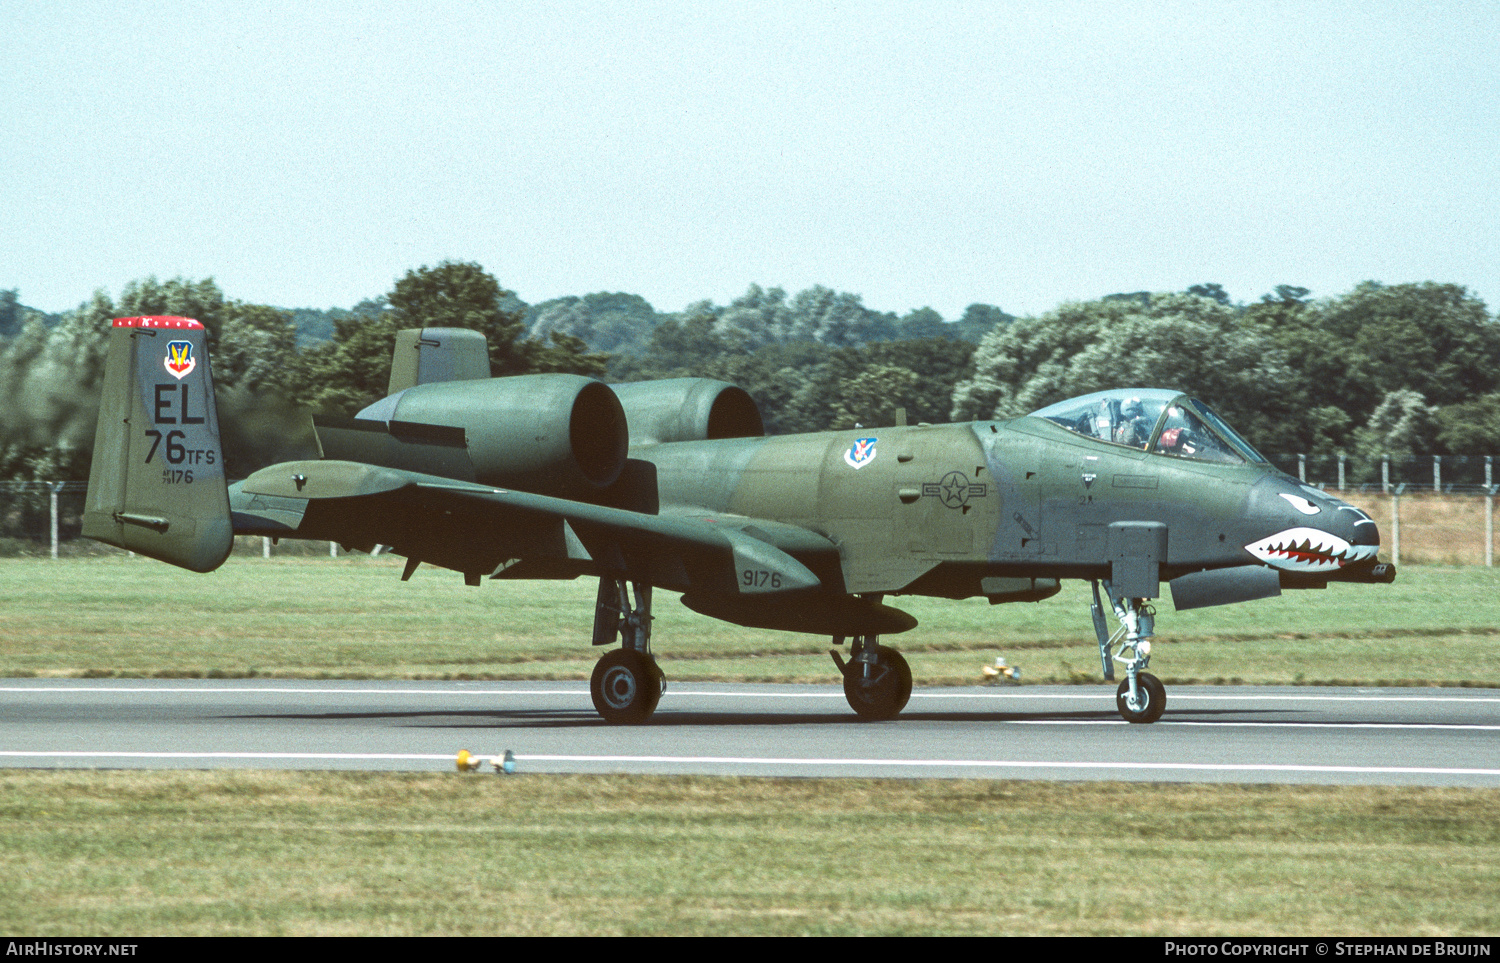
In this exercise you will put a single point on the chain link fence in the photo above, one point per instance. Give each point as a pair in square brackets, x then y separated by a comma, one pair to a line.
[1441, 474]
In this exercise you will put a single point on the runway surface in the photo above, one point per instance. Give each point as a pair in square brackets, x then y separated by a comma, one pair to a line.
[1208, 734]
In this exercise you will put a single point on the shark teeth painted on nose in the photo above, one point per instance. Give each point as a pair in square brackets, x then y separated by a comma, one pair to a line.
[1309, 550]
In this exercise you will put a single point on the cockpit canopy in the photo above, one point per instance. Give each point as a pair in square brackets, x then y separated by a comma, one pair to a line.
[1160, 421]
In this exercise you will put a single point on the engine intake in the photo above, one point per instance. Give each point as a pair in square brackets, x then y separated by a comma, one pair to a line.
[688, 409]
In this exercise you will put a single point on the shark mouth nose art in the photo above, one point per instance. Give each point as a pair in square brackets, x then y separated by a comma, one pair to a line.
[1309, 550]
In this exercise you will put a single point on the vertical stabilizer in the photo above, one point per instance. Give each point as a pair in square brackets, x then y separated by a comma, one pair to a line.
[427, 355]
[156, 485]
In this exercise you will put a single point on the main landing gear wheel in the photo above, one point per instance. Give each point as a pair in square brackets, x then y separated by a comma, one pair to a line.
[885, 693]
[626, 686]
[1153, 699]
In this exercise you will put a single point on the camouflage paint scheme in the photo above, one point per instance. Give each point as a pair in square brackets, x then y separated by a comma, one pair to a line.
[672, 485]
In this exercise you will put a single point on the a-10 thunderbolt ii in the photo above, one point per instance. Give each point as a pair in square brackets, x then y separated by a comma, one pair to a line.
[673, 484]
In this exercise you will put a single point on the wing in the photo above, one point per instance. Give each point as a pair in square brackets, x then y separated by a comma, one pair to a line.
[481, 530]
[157, 487]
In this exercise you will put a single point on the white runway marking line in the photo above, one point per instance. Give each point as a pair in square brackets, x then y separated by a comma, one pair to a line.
[776, 761]
[831, 694]
[1194, 697]
[839, 696]
[1024, 764]
[287, 690]
[110, 754]
[1174, 723]
[1093, 697]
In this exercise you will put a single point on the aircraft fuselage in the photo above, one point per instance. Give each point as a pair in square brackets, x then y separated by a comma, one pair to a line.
[942, 509]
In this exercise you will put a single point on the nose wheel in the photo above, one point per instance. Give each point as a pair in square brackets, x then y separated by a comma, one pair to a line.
[1148, 703]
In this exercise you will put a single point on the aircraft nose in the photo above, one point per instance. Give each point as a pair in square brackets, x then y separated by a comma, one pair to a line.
[1316, 532]
[1360, 529]
[1317, 509]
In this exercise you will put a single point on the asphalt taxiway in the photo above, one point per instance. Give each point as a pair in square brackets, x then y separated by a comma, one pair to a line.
[1208, 734]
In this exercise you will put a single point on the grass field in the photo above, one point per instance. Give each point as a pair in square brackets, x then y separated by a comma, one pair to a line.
[380, 854]
[352, 853]
[352, 617]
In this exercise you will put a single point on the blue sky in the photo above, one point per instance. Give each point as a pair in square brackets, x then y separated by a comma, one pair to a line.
[1018, 154]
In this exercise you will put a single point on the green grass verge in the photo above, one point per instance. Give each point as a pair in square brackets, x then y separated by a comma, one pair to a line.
[386, 854]
[353, 617]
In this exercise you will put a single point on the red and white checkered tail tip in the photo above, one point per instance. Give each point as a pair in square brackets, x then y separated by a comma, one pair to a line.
[158, 321]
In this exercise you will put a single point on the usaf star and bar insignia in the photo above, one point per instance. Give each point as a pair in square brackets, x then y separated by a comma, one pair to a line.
[954, 490]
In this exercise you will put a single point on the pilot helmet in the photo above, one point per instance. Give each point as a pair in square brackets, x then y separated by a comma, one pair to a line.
[1179, 440]
[1132, 408]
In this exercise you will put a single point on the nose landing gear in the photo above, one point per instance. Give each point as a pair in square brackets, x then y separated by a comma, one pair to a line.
[1141, 697]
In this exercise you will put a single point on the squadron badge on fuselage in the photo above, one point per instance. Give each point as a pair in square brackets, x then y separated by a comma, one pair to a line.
[861, 453]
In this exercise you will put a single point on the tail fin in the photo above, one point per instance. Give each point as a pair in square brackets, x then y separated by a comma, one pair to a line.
[156, 485]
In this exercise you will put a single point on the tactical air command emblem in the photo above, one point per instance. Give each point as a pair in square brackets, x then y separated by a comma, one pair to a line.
[861, 453]
[179, 360]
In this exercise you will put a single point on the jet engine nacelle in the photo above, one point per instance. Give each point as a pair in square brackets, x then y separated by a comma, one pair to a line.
[553, 434]
[688, 409]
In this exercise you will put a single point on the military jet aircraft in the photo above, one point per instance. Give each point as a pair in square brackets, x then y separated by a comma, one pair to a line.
[673, 484]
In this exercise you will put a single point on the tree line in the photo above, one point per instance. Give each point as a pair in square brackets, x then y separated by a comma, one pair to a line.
[1409, 369]
[1401, 370]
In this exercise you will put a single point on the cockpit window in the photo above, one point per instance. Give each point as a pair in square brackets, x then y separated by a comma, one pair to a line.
[1155, 420]
[1186, 436]
[1228, 433]
[1123, 417]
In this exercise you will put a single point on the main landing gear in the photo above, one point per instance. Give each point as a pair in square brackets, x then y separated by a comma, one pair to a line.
[1141, 697]
[877, 680]
[626, 685]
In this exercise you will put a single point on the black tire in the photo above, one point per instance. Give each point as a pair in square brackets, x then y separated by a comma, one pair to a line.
[626, 686]
[888, 696]
[1151, 690]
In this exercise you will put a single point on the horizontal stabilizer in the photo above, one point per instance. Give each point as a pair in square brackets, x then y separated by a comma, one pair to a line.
[324, 479]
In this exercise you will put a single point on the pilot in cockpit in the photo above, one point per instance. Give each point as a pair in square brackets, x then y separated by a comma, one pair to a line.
[1189, 428]
[1134, 428]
